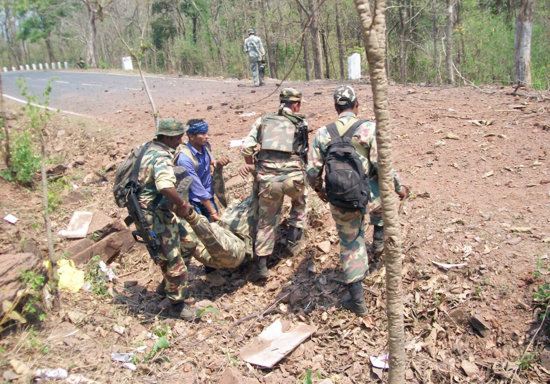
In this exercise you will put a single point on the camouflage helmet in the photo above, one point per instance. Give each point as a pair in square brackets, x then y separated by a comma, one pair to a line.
[251, 31]
[290, 94]
[170, 127]
[344, 95]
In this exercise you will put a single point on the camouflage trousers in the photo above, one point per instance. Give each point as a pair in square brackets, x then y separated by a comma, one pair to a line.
[217, 247]
[374, 206]
[271, 192]
[353, 253]
[255, 69]
[176, 250]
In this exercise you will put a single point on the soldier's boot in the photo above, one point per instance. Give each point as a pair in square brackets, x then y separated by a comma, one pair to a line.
[260, 271]
[294, 239]
[355, 301]
[182, 310]
[161, 288]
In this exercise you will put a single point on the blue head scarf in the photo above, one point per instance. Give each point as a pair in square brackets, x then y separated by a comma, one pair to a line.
[198, 128]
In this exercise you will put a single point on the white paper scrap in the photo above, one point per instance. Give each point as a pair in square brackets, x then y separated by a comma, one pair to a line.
[381, 361]
[11, 218]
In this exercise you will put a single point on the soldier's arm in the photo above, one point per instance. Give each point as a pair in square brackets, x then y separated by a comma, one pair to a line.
[316, 163]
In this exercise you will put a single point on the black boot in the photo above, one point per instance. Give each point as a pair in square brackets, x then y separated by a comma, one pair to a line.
[294, 239]
[161, 288]
[355, 301]
[260, 271]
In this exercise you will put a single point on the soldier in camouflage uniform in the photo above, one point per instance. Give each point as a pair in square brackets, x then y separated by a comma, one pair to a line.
[349, 223]
[228, 242]
[254, 48]
[279, 169]
[160, 200]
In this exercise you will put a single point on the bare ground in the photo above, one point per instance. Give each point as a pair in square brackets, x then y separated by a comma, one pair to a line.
[477, 164]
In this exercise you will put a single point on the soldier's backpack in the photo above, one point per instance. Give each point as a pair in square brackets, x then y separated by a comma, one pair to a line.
[346, 184]
[126, 177]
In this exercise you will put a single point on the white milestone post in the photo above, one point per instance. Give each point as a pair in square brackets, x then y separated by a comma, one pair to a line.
[127, 63]
[354, 66]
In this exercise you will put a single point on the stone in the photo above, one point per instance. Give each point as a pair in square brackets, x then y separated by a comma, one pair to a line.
[107, 248]
[324, 246]
[11, 265]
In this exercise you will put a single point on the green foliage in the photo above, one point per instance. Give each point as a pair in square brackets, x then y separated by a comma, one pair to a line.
[161, 330]
[33, 282]
[161, 343]
[307, 378]
[95, 277]
[526, 361]
[55, 190]
[207, 309]
[24, 158]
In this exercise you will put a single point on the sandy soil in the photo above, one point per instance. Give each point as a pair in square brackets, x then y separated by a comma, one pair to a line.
[477, 164]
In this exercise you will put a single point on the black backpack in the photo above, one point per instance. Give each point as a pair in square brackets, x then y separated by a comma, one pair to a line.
[126, 177]
[346, 184]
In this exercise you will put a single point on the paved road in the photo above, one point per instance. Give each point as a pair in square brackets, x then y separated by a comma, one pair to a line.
[93, 94]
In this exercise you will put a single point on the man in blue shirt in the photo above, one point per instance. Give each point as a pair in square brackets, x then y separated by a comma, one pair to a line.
[196, 157]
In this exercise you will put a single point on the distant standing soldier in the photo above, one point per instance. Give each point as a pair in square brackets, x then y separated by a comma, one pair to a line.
[254, 48]
[350, 223]
[160, 200]
[279, 169]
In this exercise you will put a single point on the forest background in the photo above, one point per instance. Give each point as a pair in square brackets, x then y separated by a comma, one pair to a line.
[428, 41]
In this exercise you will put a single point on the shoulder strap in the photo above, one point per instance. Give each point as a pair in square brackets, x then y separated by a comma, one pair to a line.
[137, 165]
[333, 131]
[351, 130]
[187, 152]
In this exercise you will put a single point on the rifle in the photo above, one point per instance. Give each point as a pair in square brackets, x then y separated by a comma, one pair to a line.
[143, 234]
[303, 140]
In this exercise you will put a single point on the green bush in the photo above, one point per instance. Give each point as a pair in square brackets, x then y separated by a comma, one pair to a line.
[25, 160]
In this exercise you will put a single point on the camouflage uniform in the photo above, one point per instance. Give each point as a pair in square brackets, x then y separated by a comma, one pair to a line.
[156, 173]
[279, 172]
[254, 48]
[228, 242]
[350, 224]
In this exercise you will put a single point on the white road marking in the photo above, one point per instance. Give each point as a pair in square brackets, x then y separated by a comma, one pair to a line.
[91, 85]
[62, 82]
[44, 107]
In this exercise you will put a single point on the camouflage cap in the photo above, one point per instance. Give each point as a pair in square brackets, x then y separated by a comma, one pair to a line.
[170, 127]
[290, 94]
[344, 95]
[251, 31]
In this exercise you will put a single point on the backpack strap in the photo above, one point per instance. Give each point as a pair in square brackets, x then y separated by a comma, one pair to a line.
[333, 131]
[137, 164]
[187, 152]
[351, 130]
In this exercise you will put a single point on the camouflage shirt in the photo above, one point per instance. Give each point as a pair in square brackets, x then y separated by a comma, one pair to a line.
[254, 47]
[364, 141]
[274, 162]
[156, 172]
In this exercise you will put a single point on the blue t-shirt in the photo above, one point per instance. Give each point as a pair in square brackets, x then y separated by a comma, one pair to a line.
[202, 187]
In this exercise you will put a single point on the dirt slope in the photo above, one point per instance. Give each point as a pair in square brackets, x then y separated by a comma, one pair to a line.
[477, 164]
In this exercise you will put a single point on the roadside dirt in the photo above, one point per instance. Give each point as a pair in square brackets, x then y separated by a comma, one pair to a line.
[477, 164]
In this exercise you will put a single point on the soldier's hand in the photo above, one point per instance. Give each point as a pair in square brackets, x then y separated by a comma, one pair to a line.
[403, 193]
[214, 216]
[222, 162]
[184, 210]
[245, 170]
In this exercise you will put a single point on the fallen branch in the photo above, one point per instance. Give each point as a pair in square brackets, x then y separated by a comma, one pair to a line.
[260, 314]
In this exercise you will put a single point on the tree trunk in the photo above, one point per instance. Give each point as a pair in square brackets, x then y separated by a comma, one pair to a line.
[307, 65]
[340, 40]
[272, 63]
[325, 54]
[435, 37]
[374, 36]
[403, 43]
[91, 49]
[449, 43]
[315, 40]
[522, 45]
